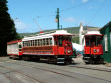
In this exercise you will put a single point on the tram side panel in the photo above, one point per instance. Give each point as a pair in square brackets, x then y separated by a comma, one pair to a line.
[14, 49]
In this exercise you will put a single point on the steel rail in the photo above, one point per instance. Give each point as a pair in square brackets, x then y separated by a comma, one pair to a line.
[36, 66]
[21, 74]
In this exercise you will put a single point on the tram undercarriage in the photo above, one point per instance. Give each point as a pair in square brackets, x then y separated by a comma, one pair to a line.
[93, 59]
[61, 59]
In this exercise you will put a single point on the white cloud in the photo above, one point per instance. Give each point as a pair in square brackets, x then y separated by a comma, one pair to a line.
[72, 1]
[69, 19]
[19, 25]
[90, 7]
[84, 1]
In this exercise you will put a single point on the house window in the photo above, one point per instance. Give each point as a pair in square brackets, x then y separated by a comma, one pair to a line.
[106, 43]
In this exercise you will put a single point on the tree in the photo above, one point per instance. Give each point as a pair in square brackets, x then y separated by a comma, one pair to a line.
[7, 28]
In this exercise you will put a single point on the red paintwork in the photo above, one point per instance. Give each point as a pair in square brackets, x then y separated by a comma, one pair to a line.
[12, 42]
[90, 50]
[65, 49]
[55, 50]
[94, 35]
[61, 51]
[87, 49]
[20, 53]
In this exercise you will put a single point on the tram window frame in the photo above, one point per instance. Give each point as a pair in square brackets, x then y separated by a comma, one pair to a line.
[100, 41]
[50, 41]
[38, 42]
[32, 42]
[87, 41]
[43, 42]
[47, 43]
[29, 43]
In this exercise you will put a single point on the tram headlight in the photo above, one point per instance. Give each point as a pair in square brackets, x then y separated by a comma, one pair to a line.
[94, 51]
[68, 51]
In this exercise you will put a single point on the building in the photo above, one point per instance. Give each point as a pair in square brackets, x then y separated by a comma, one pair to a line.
[106, 31]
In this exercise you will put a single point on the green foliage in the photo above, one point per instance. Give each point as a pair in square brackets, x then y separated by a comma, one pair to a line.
[7, 27]
[75, 40]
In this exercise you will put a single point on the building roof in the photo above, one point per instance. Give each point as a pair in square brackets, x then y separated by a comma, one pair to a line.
[90, 29]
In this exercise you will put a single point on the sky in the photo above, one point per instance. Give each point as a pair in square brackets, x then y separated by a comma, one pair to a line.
[96, 13]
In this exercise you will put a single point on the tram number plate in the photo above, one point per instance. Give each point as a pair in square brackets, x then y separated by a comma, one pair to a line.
[97, 50]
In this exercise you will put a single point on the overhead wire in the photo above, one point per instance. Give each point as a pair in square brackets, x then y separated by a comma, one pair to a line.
[76, 6]
[97, 11]
[35, 9]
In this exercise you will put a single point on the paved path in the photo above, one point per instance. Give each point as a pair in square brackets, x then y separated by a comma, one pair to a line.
[19, 71]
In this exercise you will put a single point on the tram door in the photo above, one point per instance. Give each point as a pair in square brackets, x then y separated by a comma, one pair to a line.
[87, 45]
[60, 44]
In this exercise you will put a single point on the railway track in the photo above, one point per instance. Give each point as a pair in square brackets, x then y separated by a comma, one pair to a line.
[61, 72]
[8, 78]
[12, 81]
[92, 68]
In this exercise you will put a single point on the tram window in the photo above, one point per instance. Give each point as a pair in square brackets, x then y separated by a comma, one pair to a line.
[23, 44]
[93, 40]
[35, 42]
[87, 43]
[20, 46]
[50, 41]
[99, 41]
[43, 41]
[31, 43]
[38, 42]
[47, 43]
[60, 41]
[69, 38]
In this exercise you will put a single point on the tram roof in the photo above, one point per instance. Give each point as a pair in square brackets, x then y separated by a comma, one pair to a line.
[13, 42]
[94, 35]
[53, 33]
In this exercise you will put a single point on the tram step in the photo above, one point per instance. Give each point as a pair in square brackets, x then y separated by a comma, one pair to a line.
[60, 62]
[61, 58]
[86, 57]
[86, 61]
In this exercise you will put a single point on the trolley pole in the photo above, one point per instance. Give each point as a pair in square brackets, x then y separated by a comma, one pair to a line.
[57, 18]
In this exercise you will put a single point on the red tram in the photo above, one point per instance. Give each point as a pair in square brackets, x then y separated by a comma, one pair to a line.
[93, 48]
[55, 46]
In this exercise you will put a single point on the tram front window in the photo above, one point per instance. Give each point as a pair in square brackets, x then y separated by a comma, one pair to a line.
[60, 40]
[64, 40]
[99, 41]
[93, 40]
